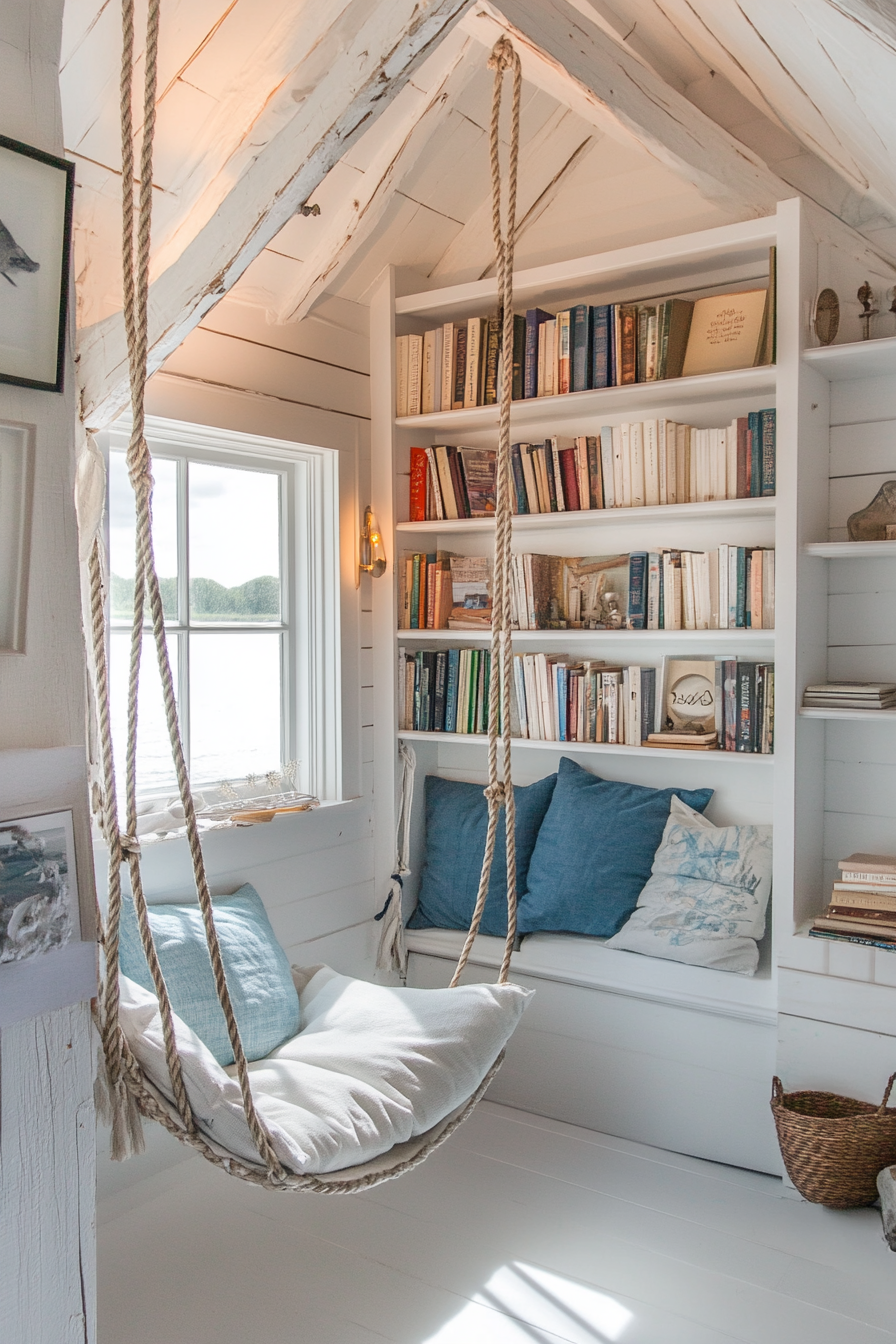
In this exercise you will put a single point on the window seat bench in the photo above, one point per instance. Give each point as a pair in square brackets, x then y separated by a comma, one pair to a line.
[655, 1051]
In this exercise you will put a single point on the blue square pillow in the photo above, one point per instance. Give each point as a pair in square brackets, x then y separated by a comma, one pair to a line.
[594, 852]
[264, 997]
[456, 823]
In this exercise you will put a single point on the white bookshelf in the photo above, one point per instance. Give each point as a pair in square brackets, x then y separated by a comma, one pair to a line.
[855, 715]
[786, 789]
[714, 511]
[597, 748]
[851, 550]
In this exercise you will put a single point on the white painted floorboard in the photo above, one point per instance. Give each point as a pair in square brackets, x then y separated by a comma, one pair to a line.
[519, 1231]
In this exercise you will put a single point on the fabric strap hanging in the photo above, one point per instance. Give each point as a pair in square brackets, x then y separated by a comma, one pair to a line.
[124, 1092]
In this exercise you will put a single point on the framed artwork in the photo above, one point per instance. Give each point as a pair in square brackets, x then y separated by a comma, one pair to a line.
[36, 195]
[38, 886]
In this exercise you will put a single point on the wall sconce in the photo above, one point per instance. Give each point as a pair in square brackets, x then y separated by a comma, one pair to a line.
[373, 557]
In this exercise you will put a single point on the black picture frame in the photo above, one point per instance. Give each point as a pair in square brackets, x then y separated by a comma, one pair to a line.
[40, 206]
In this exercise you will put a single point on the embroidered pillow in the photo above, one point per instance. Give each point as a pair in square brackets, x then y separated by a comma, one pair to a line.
[706, 897]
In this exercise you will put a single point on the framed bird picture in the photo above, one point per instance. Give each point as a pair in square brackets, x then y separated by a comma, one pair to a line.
[36, 194]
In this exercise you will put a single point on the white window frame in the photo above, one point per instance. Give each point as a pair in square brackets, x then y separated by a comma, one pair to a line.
[311, 719]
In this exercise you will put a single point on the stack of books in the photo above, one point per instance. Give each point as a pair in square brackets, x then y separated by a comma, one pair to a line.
[584, 347]
[862, 907]
[851, 695]
[640, 464]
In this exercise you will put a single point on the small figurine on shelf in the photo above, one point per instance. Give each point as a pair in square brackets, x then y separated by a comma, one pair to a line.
[874, 522]
[865, 296]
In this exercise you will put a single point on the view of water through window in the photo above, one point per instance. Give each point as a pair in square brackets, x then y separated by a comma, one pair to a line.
[219, 527]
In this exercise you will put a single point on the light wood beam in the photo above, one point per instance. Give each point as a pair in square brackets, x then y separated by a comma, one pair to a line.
[384, 42]
[607, 85]
[362, 209]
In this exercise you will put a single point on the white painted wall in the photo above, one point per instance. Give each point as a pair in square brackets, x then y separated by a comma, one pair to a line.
[306, 382]
[47, 1286]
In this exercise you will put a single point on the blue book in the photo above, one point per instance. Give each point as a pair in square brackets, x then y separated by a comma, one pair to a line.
[754, 424]
[637, 589]
[767, 469]
[451, 691]
[519, 480]
[534, 318]
[560, 681]
[580, 321]
[601, 363]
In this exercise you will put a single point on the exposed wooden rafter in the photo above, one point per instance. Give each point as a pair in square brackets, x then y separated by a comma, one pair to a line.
[362, 208]
[612, 89]
[383, 43]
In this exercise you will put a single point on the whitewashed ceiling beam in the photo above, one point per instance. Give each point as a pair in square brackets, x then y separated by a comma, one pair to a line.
[877, 17]
[384, 42]
[607, 85]
[351, 225]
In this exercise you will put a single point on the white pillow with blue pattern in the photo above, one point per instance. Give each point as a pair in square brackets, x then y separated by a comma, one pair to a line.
[705, 900]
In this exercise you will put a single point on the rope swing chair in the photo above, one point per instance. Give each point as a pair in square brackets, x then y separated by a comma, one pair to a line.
[125, 1091]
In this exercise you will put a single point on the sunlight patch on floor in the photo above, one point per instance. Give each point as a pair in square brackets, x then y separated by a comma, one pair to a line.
[528, 1296]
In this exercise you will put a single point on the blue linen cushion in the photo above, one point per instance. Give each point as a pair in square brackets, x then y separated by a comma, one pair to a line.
[265, 1001]
[594, 852]
[456, 823]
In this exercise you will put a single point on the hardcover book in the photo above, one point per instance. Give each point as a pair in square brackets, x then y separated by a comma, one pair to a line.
[725, 333]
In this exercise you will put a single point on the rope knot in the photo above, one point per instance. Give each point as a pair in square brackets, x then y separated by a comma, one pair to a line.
[496, 792]
[130, 844]
[503, 55]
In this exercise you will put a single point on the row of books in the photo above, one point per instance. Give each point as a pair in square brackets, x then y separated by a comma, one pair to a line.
[851, 695]
[730, 588]
[632, 465]
[862, 908]
[708, 705]
[460, 365]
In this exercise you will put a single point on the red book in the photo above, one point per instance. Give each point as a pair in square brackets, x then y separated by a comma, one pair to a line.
[419, 472]
[743, 458]
[570, 474]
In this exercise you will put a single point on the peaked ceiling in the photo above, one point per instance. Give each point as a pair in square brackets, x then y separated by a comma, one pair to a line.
[640, 119]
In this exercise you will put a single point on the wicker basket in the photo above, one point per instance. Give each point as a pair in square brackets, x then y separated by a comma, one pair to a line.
[833, 1147]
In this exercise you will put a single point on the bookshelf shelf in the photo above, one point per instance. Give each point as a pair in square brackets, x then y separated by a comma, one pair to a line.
[856, 715]
[720, 509]
[858, 359]
[851, 550]
[623, 638]
[606, 748]
[581, 406]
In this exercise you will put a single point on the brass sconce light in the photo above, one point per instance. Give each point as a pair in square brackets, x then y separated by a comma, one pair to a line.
[373, 557]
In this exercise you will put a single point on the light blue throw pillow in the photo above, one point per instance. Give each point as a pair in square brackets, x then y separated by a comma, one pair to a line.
[707, 895]
[264, 997]
[456, 824]
[594, 852]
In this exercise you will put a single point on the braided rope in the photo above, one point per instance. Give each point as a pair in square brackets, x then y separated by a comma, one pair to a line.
[500, 780]
[128, 1086]
[135, 271]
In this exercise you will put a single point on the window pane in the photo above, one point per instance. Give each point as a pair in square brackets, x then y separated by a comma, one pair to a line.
[121, 534]
[155, 768]
[234, 530]
[234, 705]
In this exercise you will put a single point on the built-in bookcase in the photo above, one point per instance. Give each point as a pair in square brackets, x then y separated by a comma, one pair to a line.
[787, 788]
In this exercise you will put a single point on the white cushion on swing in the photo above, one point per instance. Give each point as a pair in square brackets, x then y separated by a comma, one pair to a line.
[372, 1067]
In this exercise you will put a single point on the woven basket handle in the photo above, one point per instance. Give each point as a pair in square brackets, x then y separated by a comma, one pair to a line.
[887, 1091]
[778, 1089]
